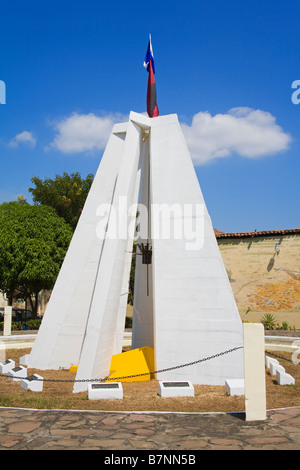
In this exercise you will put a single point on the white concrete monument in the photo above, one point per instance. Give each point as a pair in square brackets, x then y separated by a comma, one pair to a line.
[7, 365]
[33, 382]
[7, 321]
[105, 391]
[184, 307]
[176, 389]
[17, 373]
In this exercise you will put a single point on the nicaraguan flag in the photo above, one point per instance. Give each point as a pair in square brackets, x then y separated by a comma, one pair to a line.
[152, 108]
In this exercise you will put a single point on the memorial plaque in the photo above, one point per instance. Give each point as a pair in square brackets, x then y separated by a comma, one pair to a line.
[31, 378]
[101, 386]
[17, 369]
[175, 384]
[8, 361]
[176, 389]
[97, 391]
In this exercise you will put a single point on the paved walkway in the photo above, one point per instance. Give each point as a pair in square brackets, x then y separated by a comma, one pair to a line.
[82, 430]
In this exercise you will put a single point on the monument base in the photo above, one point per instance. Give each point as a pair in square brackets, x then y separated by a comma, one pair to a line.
[105, 391]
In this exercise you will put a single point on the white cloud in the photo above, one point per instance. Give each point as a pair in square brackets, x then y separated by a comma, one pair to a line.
[243, 131]
[24, 137]
[84, 132]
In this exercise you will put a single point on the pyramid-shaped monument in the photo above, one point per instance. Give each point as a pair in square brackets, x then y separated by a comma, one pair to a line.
[184, 306]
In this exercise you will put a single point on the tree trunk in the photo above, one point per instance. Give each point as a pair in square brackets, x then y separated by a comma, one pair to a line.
[34, 303]
[35, 312]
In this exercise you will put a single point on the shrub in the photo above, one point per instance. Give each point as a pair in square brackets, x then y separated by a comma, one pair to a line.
[17, 325]
[269, 321]
[33, 324]
[285, 325]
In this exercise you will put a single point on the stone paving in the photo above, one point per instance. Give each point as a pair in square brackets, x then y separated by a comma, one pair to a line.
[22, 429]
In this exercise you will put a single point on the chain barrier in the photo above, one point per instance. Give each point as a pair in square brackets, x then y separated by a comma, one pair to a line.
[136, 375]
[280, 357]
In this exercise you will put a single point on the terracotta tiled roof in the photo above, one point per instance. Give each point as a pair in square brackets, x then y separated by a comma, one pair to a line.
[265, 233]
[218, 232]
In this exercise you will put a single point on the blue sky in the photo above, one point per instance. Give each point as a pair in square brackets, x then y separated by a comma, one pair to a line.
[226, 69]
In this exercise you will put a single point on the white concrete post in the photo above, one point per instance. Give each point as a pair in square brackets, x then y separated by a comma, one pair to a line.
[254, 366]
[7, 321]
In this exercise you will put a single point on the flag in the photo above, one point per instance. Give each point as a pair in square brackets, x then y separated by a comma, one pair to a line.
[152, 108]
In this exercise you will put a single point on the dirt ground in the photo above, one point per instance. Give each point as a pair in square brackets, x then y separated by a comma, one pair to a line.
[142, 396]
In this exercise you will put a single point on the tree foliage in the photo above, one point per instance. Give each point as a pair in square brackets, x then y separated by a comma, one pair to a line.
[33, 243]
[66, 194]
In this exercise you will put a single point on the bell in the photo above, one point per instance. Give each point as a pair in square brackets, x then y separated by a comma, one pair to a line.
[146, 252]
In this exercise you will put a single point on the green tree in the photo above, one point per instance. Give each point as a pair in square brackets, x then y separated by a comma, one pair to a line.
[33, 243]
[66, 194]
[132, 276]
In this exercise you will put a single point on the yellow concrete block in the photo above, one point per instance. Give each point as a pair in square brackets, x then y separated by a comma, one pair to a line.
[136, 361]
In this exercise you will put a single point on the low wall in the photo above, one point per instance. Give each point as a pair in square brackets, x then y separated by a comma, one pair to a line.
[272, 343]
[282, 343]
[26, 341]
[17, 341]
